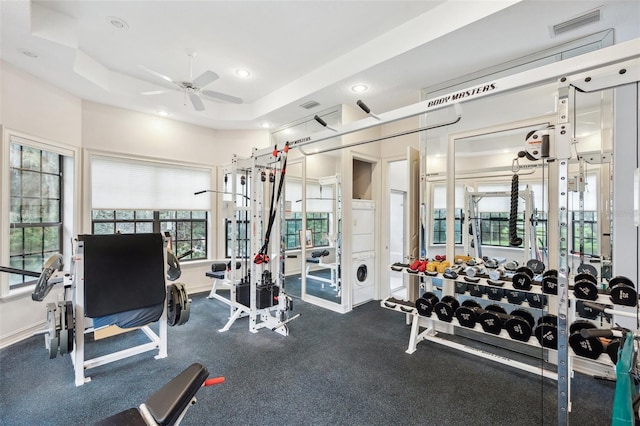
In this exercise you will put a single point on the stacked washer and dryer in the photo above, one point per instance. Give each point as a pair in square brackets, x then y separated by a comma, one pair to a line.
[363, 251]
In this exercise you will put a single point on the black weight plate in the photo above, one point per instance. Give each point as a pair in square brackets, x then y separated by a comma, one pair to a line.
[537, 300]
[470, 303]
[495, 308]
[521, 281]
[516, 297]
[547, 335]
[525, 270]
[624, 295]
[550, 273]
[495, 293]
[579, 325]
[490, 322]
[620, 280]
[550, 284]
[536, 266]
[585, 268]
[612, 350]
[461, 287]
[586, 311]
[585, 290]
[586, 276]
[466, 316]
[476, 290]
[590, 347]
[525, 315]
[70, 323]
[548, 319]
[518, 328]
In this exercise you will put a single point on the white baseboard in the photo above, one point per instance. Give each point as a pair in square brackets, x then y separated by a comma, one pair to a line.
[22, 334]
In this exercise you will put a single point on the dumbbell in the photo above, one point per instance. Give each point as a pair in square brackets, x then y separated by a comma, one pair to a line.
[446, 308]
[585, 286]
[622, 291]
[536, 266]
[495, 276]
[518, 324]
[595, 341]
[467, 313]
[515, 297]
[590, 310]
[547, 331]
[511, 265]
[426, 303]
[537, 300]
[585, 268]
[460, 287]
[476, 290]
[550, 281]
[586, 347]
[522, 279]
[494, 293]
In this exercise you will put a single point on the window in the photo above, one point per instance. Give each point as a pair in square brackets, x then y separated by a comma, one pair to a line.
[188, 229]
[243, 242]
[440, 226]
[36, 197]
[318, 223]
[589, 232]
[161, 200]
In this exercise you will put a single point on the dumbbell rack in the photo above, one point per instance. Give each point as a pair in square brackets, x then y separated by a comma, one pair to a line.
[432, 325]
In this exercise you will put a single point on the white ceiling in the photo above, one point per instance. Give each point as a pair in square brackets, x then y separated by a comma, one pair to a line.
[296, 50]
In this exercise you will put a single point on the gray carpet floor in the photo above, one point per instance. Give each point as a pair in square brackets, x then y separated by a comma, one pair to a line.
[333, 369]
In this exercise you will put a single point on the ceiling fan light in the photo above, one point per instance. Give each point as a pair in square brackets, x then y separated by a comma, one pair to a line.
[242, 73]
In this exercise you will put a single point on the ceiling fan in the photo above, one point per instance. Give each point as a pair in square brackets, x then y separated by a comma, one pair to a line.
[194, 88]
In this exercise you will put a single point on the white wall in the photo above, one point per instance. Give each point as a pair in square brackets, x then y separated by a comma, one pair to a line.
[32, 107]
[35, 108]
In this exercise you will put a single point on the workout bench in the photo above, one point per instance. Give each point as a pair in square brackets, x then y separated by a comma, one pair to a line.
[168, 405]
[220, 272]
[316, 260]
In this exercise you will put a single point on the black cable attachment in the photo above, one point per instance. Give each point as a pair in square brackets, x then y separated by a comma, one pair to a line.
[514, 240]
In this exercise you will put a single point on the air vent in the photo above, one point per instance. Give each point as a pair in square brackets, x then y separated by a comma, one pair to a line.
[577, 22]
[309, 104]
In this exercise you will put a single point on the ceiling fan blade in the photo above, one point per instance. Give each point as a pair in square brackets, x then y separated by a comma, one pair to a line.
[221, 96]
[205, 78]
[196, 102]
[157, 74]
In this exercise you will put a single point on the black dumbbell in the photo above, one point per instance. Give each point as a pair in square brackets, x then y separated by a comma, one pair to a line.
[537, 300]
[550, 282]
[494, 293]
[518, 324]
[584, 346]
[547, 331]
[515, 297]
[425, 304]
[589, 310]
[460, 287]
[585, 286]
[536, 266]
[585, 268]
[446, 308]
[476, 290]
[522, 279]
[622, 291]
[467, 313]
[599, 340]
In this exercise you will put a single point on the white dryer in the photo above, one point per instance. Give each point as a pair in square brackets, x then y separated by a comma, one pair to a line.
[363, 277]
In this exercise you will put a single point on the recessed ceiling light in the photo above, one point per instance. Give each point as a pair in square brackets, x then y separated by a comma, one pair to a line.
[265, 125]
[163, 113]
[242, 73]
[359, 88]
[119, 23]
[28, 53]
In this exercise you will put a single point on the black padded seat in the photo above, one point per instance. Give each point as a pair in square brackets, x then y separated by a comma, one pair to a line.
[130, 417]
[216, 275]
[167, 404]
[313, 260]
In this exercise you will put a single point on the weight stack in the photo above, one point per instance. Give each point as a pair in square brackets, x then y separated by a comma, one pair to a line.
[266, 295]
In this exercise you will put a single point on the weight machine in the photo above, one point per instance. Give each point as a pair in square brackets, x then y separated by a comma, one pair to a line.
[116, 283]
[259, 292]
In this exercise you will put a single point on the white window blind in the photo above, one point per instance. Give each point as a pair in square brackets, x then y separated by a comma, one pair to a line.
[126, 184]
[440, 196]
